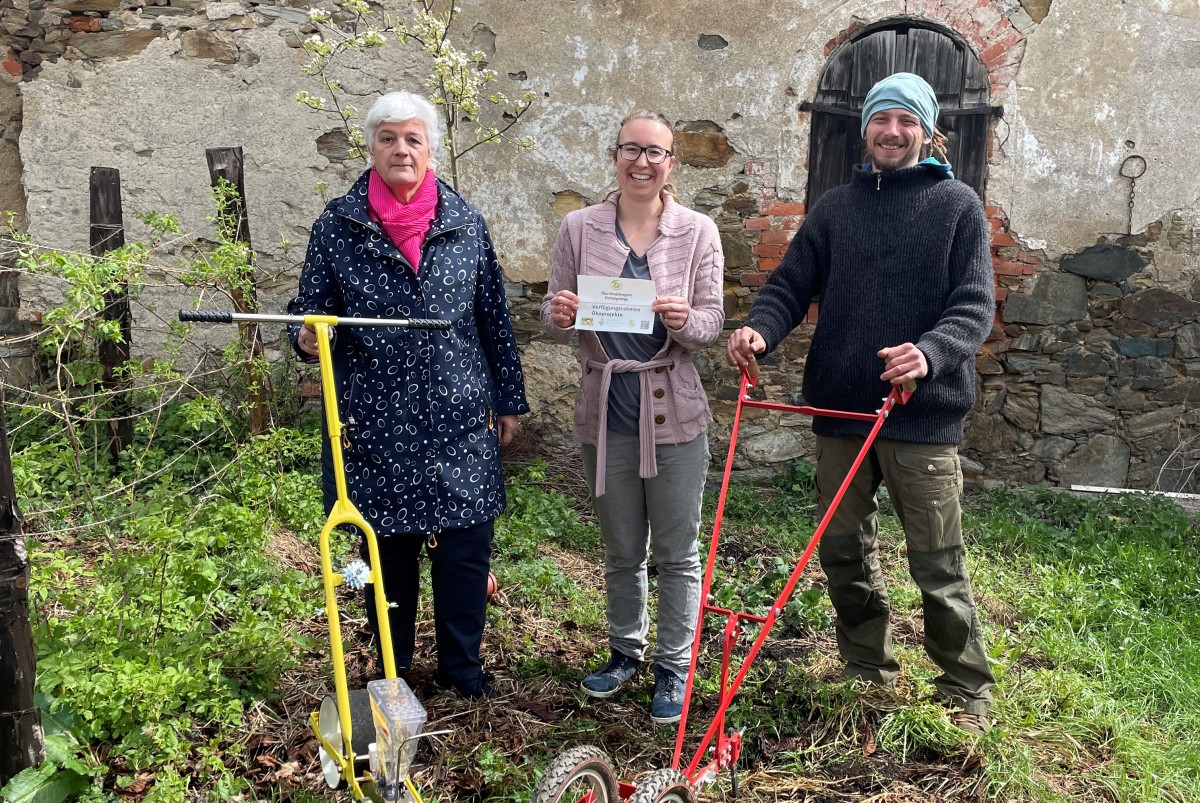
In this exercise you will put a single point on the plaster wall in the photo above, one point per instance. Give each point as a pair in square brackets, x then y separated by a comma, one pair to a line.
[1078, 79]
[152, 114]
[1099, 82]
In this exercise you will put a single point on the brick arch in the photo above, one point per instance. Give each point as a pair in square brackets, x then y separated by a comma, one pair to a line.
[983, 26]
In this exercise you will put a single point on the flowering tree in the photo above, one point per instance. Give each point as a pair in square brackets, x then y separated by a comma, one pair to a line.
[460, 83]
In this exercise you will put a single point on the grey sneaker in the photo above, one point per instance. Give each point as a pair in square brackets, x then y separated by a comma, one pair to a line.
[667, 706]
[608, 680]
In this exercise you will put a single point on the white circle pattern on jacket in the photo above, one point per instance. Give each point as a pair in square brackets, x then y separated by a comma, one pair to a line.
[420, 406]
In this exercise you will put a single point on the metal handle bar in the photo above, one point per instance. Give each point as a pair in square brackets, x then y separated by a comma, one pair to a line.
[215, 316]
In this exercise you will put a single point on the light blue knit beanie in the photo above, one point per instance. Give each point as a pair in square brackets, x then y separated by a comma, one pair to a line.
[902, 90]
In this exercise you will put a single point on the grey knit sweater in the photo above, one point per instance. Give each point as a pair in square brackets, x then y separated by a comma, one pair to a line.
[898, 257]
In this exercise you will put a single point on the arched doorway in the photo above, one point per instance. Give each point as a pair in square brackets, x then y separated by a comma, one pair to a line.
[956, 74]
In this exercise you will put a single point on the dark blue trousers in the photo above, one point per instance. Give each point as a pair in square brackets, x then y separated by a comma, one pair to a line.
[459, 566]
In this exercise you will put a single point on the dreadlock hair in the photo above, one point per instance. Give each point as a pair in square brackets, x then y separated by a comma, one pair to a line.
[936, 146]
[658, 117]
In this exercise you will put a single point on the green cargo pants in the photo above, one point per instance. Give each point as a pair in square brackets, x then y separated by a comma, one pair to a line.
[924, 483]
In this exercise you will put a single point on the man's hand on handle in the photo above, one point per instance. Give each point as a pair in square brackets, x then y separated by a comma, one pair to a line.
[743, 345]
[903, 363]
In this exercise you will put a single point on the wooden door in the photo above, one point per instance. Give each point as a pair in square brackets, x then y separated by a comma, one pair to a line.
[954, 72]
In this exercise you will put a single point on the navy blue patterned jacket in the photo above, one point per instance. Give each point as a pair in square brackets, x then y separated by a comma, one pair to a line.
[419, 406]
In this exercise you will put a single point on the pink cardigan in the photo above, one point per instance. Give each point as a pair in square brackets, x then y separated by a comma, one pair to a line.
[686, 260]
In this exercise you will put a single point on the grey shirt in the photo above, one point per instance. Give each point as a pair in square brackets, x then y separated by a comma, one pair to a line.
[625, 391]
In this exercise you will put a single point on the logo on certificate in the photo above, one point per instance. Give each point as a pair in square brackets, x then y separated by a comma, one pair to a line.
[616, 284]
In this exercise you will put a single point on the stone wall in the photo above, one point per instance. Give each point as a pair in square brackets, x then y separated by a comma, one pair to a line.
[1090, 374]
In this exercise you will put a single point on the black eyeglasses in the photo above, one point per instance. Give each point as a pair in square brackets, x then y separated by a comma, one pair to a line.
[654, 154]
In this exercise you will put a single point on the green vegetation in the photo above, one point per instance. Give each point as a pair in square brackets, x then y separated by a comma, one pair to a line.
[172, 619]
[180, 646]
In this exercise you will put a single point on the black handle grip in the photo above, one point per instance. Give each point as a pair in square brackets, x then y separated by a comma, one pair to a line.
[427, 323]
[205, 316]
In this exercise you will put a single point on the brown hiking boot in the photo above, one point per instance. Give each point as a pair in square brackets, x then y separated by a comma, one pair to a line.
[976, 724]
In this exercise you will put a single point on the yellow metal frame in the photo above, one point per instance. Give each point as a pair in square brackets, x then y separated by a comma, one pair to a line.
[344, 512]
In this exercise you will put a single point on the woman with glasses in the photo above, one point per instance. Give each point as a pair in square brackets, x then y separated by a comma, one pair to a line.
[641, 414]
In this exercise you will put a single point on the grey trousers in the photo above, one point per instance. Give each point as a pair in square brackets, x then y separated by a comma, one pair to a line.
[662, 513]
[924, 483]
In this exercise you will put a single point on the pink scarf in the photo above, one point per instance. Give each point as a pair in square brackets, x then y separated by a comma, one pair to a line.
[405, 224]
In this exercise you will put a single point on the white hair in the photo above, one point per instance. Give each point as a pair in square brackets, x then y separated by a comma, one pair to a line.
[400, 107]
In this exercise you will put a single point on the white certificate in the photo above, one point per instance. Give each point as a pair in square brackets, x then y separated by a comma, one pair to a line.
[613, 304]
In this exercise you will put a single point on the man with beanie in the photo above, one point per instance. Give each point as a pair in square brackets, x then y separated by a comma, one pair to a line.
[900, 261]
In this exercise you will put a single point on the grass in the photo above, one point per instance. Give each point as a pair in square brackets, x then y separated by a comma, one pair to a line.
[1098, 657]
[1091, 611]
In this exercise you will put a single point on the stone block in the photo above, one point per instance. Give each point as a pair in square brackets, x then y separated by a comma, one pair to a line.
[1160, 308]
[1086, 363]
[334, 145]
[1145, 347]
[737, 251]
[1056, 298]
[566, 201]
[1021, 410]
[776, 445]
[1181, 392]
[223, 11]
[1036, 9]
[971, 469]
[1025, 364]
[1111, 263]
[551, 382]
[989, 434]
[1154, 423]
[1053, 447]
[1102, 460]
[1092, 386]
[76, 6]
[988, 366]
[292, 15]
[210, 45]
[1187, 341]
[113, 44]
[1067, 413]
[702, 143]
[1147, 373]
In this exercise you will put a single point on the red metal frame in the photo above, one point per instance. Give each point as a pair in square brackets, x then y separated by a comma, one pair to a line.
[728, 742]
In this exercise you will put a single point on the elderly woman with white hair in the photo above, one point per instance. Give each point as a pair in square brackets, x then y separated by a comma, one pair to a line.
[425, 411]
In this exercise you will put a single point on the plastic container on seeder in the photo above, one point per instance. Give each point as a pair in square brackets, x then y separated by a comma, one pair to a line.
[399, 717]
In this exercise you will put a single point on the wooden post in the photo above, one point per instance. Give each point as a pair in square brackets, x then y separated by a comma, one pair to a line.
[227, 163]
[20, 723]
[108, 234]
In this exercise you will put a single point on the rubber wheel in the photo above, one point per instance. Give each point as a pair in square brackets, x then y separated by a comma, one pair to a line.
[580, 775]
[663, 786]
[361, 723]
